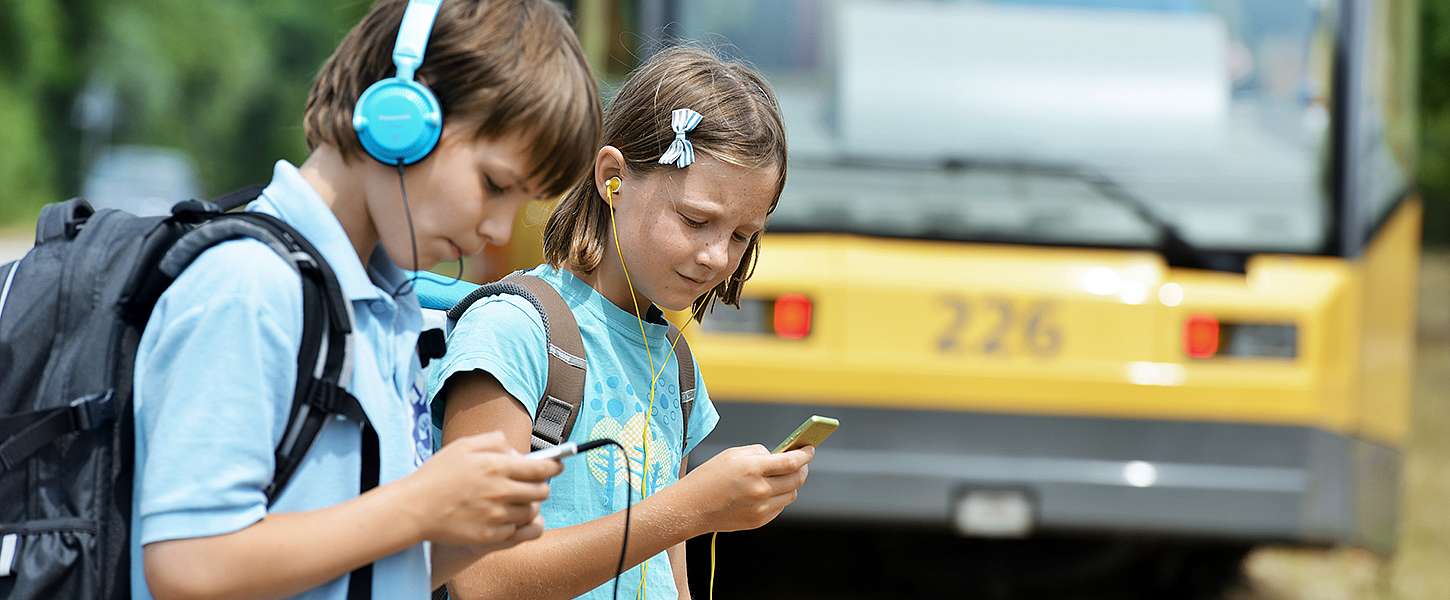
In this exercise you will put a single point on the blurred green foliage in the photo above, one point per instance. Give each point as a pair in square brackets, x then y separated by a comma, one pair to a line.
[224, 80]
[1435, 119]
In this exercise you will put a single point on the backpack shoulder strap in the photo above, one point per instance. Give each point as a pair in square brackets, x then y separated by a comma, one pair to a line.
[686, 361]
[324, 367]
[567, 362]
[324, 364]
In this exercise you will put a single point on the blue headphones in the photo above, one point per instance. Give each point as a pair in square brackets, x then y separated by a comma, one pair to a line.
[398, 119]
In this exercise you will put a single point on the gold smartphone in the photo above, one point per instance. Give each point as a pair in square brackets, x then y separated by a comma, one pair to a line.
[811, 433]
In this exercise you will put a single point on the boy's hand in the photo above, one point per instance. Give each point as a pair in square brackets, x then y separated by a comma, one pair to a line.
[479, 491]
[747, 486]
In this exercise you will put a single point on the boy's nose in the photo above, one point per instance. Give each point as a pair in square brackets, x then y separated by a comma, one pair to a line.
[497, 229]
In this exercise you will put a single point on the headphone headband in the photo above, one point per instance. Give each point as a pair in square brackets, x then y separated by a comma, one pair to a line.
[398, 120]
[413, 35]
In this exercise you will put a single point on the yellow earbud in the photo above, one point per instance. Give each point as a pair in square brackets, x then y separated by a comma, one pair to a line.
[611, 187]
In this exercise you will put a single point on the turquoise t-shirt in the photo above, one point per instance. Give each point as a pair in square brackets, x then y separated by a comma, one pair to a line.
[504, 336]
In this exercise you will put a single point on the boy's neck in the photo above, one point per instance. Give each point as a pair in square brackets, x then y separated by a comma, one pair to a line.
[608, 279]
[339, 184]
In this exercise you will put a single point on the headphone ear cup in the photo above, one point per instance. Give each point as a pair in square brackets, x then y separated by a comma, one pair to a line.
[398, 121]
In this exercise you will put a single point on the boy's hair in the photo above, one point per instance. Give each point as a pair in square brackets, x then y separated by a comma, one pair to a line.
[501, 67]
[741, 126]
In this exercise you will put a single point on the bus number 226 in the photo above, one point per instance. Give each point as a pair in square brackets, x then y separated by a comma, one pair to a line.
[1012, 327]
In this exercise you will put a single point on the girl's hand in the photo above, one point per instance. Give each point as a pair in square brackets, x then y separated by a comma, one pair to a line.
[747, 486]
[479, 491]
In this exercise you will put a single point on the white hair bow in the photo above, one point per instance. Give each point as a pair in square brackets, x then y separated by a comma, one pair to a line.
[681, 152]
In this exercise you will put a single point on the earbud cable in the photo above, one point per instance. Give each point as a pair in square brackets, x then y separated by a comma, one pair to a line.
[654, 374]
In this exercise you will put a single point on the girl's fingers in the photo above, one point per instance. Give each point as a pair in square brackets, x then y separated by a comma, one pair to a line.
[789, 462]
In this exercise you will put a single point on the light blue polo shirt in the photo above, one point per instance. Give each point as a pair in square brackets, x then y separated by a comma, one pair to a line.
[215, 372]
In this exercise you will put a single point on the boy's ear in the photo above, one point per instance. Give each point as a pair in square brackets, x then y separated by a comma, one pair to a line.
[608, 164]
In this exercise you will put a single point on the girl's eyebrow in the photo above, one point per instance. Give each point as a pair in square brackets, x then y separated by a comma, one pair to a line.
[714, 211]
[707, 209]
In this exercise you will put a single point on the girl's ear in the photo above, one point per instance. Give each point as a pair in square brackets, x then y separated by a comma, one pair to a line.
[608, 164]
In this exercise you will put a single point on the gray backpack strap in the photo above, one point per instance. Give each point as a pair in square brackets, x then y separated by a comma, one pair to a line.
[687, 383]
[567, 365]
[554, 419]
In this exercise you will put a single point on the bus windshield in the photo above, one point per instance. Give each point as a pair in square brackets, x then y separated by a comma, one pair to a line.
[947, 119]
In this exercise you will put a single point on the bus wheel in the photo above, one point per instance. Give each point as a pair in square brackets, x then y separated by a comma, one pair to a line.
[1205, 572]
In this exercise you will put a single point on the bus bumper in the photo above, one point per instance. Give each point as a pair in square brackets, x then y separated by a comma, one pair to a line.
[1255, 483]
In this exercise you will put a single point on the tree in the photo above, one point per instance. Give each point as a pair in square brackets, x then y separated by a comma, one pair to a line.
[1435, 119]
[224, 80]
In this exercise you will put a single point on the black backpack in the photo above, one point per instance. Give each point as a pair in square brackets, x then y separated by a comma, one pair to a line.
[71, 315]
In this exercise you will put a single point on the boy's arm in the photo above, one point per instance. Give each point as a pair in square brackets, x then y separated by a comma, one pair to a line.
[283, 554]
[206, 436]
[477, 495]
[746, 489]
[677, 553]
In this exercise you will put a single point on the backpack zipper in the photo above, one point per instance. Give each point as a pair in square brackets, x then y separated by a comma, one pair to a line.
[9, 278]
[8, 554]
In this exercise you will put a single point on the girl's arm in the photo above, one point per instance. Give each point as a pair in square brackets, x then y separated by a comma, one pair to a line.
[743, 488]
[677, 553]
[450, 559]
[480, 494]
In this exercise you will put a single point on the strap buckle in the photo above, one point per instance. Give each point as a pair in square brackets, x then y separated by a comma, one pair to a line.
[93, 411]
[331, 399]
[194, 211]
[553, 415]
[322, 395]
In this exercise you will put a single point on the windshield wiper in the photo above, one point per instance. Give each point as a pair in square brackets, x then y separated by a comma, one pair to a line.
[1171, 245]
[1175, 249]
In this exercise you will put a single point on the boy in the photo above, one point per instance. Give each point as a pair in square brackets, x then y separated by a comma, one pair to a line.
[216, 365]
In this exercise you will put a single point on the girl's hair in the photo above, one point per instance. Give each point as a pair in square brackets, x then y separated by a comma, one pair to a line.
[741, 126]
[499, 67]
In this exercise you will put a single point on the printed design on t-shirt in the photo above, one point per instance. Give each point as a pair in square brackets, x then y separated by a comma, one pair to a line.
[422, 422]
[620, 415]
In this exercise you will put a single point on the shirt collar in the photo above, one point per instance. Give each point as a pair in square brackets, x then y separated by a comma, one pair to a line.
[289, 197]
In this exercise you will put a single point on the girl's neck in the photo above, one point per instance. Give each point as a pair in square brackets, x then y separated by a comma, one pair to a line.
[608, 279]
[339, 184]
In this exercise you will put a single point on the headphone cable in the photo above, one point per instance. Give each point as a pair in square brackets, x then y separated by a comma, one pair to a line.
[412, 238]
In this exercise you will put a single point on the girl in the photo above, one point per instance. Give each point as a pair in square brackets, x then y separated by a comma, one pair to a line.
[671, 218]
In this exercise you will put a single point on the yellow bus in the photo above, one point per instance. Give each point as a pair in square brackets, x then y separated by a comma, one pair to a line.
[1140, 267]
[1132, 269]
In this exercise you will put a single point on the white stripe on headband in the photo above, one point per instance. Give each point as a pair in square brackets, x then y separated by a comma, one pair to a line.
[681, 152]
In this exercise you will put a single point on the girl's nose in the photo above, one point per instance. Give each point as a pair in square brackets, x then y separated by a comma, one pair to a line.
[715, 255]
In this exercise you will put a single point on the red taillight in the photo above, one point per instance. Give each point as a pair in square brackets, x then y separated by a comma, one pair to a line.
[1200, 336]
[792, 316]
